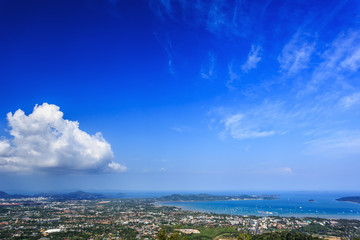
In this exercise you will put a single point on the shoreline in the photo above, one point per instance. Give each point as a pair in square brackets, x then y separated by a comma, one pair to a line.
[348, 201]
[258, 214]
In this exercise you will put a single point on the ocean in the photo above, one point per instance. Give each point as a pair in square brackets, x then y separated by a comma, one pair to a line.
[290, 204]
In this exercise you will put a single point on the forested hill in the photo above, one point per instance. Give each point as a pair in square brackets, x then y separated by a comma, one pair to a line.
[354, 199]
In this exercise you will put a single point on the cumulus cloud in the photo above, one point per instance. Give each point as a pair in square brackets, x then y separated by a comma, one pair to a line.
[44, 141]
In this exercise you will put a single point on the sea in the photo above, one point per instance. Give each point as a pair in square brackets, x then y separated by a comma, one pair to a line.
[289, 204]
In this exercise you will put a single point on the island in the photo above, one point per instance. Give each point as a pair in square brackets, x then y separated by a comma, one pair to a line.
[78, 195]
[353, 199]
[209, 197]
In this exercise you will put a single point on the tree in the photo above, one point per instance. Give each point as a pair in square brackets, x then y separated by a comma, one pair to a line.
[175, 236]
[244, 236]
[162, 234]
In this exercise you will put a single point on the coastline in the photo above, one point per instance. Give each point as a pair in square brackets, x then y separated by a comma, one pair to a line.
[348, 202]
[257, 212]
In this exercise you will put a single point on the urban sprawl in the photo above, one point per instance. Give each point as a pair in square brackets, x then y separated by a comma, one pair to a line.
[46, 218]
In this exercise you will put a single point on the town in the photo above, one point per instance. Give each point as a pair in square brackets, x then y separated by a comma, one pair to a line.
[46, 218]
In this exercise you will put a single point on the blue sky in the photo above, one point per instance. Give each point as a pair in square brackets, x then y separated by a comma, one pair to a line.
[179, 95]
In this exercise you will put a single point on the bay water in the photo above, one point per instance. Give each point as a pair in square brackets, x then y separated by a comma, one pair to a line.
[289, 204]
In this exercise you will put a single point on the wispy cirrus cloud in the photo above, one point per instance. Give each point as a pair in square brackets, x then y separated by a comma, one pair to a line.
[341, 59]
[44, 141]
[234, 76]
[286, 170]
[238, 128]
[350, 100]
[338, 144]
[220, 20]
[317, 114]
[208, 71]
[236, 71]
[254, 58]
[181, 129]
[296, 54]
[257, 122]
[167, 45]
[220, 17]
[235, 18]
[177, 129]
[323, 71]
[278, 118]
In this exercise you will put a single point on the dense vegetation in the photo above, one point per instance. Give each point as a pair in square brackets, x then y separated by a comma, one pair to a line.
[231, 234]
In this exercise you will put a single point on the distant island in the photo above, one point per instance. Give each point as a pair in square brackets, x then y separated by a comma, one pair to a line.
[208, 197]
[78, 195]
[353, 199]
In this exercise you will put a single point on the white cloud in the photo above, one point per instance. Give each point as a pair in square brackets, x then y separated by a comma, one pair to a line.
[352, 62]
[182, 129]
[177, 129]
[267, 119]
[208, 72]
[166, 43]
[233, 18]
[238, 128]
[350, 46]
[234, 77]
[218, 20]
[341, 59]
[253, 58]
[286, 170]
[44, 141]
[145, 171]
[339, 144]
[5, 148]
[113, 166]
[296, 55]
[236, 71]
[351, 100]
[229, 19]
